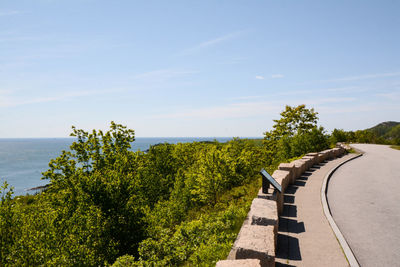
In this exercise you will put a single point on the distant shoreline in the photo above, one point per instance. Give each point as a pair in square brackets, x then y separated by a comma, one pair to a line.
[22, 160]
[138, 137]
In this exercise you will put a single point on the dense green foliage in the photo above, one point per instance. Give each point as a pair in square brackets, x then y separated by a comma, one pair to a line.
[394, 134]
[383, 133]
[173, 205]
[384, 128]
[295, 134]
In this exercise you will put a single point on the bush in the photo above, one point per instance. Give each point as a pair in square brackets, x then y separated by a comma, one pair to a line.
[174, 205]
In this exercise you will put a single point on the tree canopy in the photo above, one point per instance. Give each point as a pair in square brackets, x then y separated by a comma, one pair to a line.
[295, 133]
[295, 120]
[173, 205]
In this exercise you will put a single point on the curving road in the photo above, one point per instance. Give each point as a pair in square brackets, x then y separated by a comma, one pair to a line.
[364, 198]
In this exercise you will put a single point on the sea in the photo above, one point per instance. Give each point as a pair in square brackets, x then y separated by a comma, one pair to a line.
[22, 160]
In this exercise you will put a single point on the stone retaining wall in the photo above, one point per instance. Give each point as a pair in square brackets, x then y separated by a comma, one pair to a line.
[256, 242]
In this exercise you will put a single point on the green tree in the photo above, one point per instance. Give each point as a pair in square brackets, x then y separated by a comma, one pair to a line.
[173, 205]
[338, 135]
[294, 120]
[365, 136]
[91, 152]
[7, 221]
[295, 133]
[95, 195]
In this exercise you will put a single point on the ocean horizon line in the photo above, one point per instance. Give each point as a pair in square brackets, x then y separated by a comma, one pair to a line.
[73, 137]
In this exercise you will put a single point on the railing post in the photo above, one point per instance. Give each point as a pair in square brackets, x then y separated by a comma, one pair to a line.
[265, 184]
[267, 179]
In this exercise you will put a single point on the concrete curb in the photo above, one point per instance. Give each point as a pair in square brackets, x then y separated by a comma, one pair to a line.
[342, 241]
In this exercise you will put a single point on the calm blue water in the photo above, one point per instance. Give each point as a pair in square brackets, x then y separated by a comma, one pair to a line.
[23, 160]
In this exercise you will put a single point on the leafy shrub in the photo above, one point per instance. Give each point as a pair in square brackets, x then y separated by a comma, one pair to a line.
[174, 205]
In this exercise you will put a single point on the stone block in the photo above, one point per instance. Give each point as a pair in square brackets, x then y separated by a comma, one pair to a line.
[342, 145]
[329, 154]
[264, 212]
[322, 156]
[279, 196]
[282, 177]
[279, 202]
[291, 168]
[312, 154]
[271, 194]
[310, 161]
[336, 152]
[342, 150]
[286, 166]
[301, 167]
[315, 159]
[256, 242]
[339, 151]
[295, 174]
[239, 263]
[346, 146]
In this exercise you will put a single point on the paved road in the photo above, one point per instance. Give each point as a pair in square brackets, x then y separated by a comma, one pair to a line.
[364, 197]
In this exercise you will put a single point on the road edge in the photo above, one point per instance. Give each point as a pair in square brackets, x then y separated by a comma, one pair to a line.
[339, 236]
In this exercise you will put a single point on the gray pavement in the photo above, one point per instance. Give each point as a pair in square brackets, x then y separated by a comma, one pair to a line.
[305, 237]
[364, 198]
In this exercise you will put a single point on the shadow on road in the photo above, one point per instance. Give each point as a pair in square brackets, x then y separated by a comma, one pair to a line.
[290, 248]
[288, 245]
[278, 264]
[291, 226]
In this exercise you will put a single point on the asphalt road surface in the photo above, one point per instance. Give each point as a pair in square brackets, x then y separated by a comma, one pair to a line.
[364, 198]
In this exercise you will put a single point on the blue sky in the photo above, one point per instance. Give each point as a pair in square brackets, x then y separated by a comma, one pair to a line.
[204, 68]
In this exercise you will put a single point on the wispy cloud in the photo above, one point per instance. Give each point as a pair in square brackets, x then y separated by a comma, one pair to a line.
[277, 76]
[211, 43]
[298, 93]
[247, 97]
[390, 95]
[363, 77]
[347, 89]
[5, 92]
[163, 74]
[226, 111]
[4, 13]
[341, 89]
[6, 99]
[331, 100]
[353, 109]
[7, 39]
[272, 76]
[317, 101]
[234, 60]
[12, 36]
[247, 109]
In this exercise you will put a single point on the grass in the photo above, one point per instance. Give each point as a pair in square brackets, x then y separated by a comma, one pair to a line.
[395, 147]
[352, 150]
